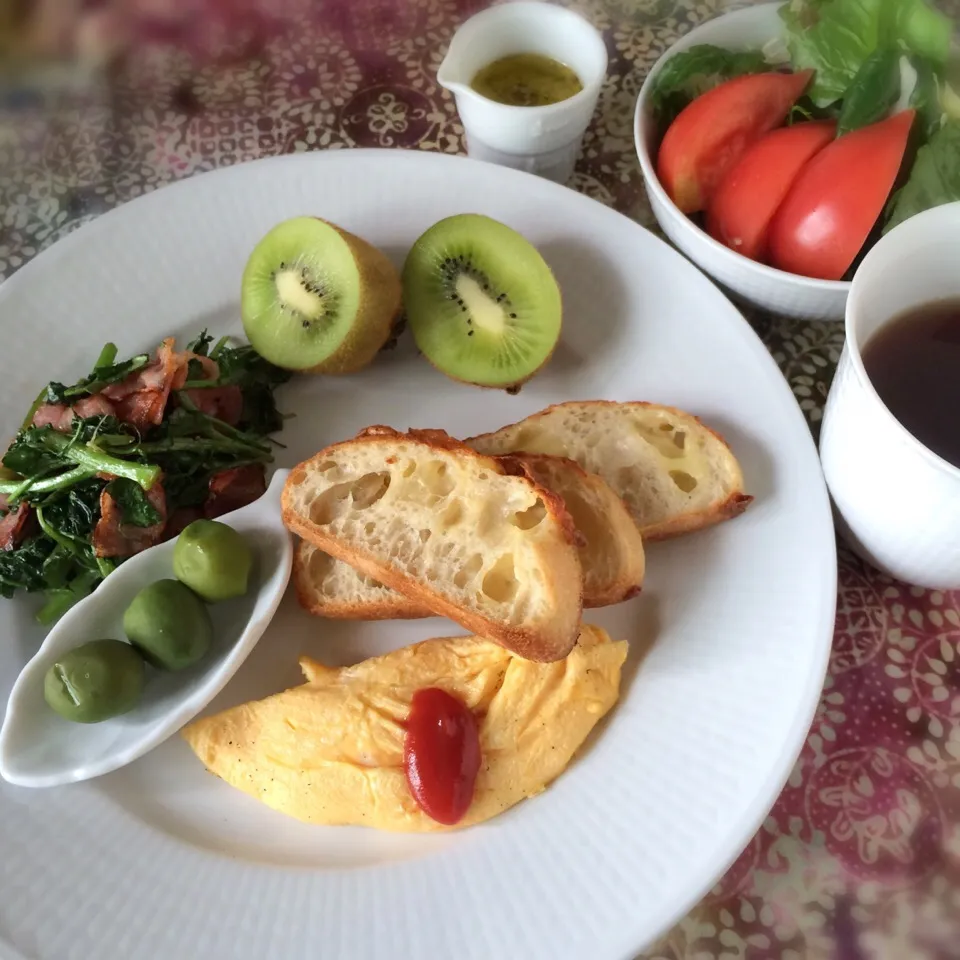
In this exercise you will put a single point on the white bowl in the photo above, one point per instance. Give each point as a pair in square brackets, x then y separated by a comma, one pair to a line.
[775, 290]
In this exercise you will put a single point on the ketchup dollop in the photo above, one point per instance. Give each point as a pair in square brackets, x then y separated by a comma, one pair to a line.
[441, 754]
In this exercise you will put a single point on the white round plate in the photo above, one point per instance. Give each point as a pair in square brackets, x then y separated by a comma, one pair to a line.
[729, 639]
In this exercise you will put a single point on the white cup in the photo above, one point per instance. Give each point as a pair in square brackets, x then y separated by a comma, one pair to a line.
[541, 140]
[898, 503]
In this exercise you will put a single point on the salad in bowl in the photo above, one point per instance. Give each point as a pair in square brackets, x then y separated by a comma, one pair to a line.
[780, 142]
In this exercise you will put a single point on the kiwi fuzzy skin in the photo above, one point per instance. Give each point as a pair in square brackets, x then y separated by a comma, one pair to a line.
[380, 306]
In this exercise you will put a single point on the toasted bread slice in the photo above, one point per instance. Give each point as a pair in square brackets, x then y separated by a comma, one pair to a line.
[674, 474]
[457, 532]
[610, 549]
[327, 587]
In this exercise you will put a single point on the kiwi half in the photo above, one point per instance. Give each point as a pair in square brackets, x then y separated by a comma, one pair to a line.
[316, 298]
[482, 303]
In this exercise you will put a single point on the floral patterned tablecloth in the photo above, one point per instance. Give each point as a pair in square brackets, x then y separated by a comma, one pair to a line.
[860, 857]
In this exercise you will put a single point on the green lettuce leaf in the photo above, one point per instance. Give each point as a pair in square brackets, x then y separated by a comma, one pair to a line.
[695, 71]
[874, 90]
[925, 96]
[835, 37]
[934, 179]
[949, 97]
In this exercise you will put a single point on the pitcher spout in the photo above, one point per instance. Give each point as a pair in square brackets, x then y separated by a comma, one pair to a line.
[451, 75]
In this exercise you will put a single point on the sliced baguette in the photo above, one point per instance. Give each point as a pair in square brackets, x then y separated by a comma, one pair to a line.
[469, 537]
[610, 550]
[610, 546]
[674, 474]
[331, 588]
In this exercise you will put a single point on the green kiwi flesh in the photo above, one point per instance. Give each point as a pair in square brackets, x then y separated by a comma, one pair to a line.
[300, 293]
[481, 302]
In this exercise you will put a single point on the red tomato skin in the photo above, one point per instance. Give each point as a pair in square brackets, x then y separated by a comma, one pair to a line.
[833, 204]
[711, 134]
[441, 754]
[740, 211]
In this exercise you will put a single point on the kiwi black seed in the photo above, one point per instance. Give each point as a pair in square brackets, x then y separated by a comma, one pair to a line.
[317, 298]
[482, 303]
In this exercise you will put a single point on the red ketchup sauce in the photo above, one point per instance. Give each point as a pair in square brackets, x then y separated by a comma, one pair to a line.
[441, 754]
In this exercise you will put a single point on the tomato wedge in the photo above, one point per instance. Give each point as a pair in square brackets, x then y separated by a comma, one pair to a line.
[750, 194]
[833, 204]
[441, 754]
[711, 134]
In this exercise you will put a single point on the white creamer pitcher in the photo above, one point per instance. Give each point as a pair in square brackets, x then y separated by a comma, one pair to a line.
[542, 140]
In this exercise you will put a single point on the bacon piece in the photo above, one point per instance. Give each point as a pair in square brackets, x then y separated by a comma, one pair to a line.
[157, 375]
[56, 415]
[141, 398]
[60, 417]
[111, 538]
[224, 403]
[211, 369]
[94, 406]
[234, 488]
[180, 519]
[143, 409]
[15, 524]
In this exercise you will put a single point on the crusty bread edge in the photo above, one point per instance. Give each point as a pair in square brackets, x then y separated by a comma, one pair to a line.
[724, 510]
[401, 608]
[526, 643]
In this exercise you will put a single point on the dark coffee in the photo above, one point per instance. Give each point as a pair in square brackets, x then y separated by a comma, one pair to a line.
[914, 364]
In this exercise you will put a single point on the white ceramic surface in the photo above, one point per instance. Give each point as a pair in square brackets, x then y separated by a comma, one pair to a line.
[40, 749]
[899, 503]
[729, 640]
[541, 140]
[763, 286]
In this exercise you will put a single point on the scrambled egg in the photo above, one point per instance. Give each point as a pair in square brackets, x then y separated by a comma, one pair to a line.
[331, 751]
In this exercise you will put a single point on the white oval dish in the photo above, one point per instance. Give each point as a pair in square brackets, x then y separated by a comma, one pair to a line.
[803, 298]
[38, 748]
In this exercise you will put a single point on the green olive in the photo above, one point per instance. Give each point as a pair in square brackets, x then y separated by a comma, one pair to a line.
[169, 624]
[213, 560]
[95, 681]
